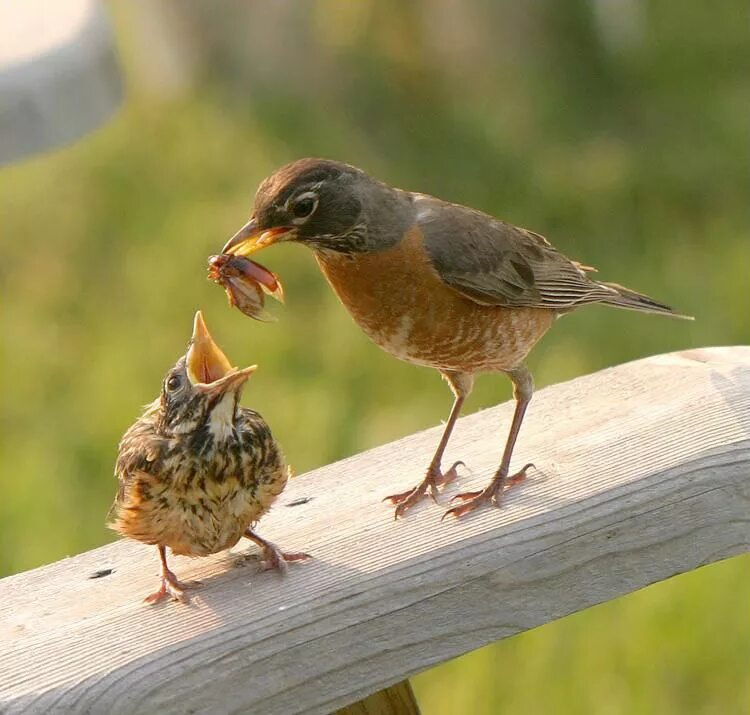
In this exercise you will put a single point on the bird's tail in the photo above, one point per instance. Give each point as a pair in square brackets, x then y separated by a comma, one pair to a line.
[622, 297]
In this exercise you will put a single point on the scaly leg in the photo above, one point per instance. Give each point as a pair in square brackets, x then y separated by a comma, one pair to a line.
[170, 586]
[273, 557]
[523, 389]
[461, 384]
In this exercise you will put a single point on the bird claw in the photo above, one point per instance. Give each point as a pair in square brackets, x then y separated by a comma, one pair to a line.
[433, 479]
[491, 495]
[275, 558]
[466, 496]
[473, 501]
[170, 588]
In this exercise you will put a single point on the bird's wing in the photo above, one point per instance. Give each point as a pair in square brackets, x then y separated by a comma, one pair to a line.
[495, 263]
[139, 448]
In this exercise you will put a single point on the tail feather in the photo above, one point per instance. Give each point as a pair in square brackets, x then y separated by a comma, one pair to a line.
[631, 300]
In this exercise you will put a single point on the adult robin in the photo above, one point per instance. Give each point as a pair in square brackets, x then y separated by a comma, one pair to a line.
[196, 470]
[431, 282]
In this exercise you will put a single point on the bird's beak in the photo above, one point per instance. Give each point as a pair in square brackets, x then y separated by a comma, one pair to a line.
[250, 239]
[208, 369]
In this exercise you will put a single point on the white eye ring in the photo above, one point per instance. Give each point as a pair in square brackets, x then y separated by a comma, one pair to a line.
[302, 199]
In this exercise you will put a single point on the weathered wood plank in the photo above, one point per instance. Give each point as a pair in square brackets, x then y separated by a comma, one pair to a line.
[398, 699]
[643, 474]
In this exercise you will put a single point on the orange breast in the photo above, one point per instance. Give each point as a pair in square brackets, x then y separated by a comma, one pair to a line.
[398, 299]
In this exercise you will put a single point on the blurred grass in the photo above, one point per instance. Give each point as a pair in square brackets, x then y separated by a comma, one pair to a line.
[635, 162]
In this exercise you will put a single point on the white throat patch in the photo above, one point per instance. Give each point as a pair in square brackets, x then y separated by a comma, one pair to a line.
[221, 419]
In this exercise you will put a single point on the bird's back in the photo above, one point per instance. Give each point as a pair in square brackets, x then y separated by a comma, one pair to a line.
[496, 263]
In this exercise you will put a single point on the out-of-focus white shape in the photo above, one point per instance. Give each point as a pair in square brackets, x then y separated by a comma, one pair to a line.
[59, 77]
[165, 61]
[621, 23]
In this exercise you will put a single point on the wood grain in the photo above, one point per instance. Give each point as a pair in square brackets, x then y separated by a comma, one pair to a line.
[643, 473]
[398, 699]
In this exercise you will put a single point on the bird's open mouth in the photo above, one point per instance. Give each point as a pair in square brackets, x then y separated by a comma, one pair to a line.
[250, 238]
[207, 366]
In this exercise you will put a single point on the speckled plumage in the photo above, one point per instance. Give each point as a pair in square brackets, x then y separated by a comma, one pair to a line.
[196, 471]
[192, 492]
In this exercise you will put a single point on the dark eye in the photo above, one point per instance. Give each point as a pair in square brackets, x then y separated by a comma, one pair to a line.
[174, 383]
[304, 206]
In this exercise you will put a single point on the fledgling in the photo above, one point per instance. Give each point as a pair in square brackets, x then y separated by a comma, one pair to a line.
[196, 470]
[433, 283]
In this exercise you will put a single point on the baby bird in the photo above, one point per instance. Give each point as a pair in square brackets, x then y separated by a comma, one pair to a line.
[196, 470]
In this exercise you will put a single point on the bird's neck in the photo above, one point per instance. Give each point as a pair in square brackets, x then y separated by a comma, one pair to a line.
[221, 420]
[386, 215]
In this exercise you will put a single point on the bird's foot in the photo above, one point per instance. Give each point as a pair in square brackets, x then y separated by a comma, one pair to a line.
[434, 479]
[170, 588]
[275, 558]
[491, 495]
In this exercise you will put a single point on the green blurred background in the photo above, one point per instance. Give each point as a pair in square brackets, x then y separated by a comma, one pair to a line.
[618, 128]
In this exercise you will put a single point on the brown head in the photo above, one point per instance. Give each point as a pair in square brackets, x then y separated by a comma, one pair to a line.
[326, 205]
[202, 390]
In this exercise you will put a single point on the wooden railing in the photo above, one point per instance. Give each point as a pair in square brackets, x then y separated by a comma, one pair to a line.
[643, 472]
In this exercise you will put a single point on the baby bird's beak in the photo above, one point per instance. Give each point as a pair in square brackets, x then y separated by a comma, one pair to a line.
[208, 369]
[250, 239]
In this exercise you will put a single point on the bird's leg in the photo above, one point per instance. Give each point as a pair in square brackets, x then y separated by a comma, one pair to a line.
[461, 384]
[523, 388]
[273, 556]
[170, 586]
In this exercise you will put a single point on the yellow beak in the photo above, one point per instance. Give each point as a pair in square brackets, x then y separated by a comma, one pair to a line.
[250, 239]
[207, 366]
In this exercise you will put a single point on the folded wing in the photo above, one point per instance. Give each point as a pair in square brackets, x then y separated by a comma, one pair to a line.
[495, 263]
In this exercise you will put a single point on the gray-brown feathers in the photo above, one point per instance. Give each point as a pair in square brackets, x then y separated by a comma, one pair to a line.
[353, 212]
[496, 263]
